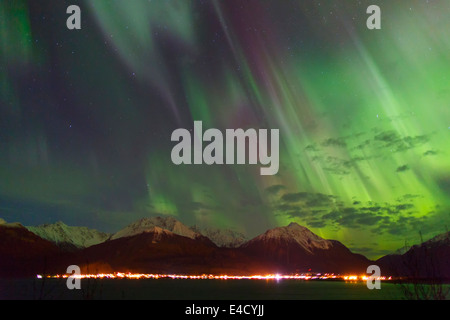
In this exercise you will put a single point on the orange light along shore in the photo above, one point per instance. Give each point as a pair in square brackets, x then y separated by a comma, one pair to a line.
[137, 276]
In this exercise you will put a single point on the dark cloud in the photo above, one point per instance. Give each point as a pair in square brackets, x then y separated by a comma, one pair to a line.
[294, 197]
[287, 207]
[372, 214]
[395, 219]
[388, 208]
[337, 165]
[334, 142]
[404, 206]
[430, 153]
[275, 189]
[370, 219]
[444, 184]
[402, 168]
[364, 144]
[389, 140]
[392, 140]
[393, 229]
[387, 136]
[316, 224]
[415, 141]
[319, 200]
[344, 217]
[296, 214]
[411, 227]
[372, 209]
[408, 197]
[332, 215]
[306, 206]
[356, 159]
[309, 199]
[312, 147]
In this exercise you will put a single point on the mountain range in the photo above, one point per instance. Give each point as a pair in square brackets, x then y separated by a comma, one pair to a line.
[67, 237]
[82, 237]
[165, 245]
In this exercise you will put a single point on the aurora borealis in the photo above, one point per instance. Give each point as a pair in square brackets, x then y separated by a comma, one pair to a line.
[86, 115]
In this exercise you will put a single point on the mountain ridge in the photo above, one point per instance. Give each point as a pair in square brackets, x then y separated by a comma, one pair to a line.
[146, 245]
[295, 247]
[72, 237]
[300, 234]
[428, 260]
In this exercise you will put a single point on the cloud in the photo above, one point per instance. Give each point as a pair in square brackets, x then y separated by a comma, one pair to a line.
[374, 145]
[274, 189]
[363, 144]
[372, 209]
[297, 214]
[287, 207]
[408, 197]
[392, 140]
[370, 219]
[306, 206]
[312, 147]
[294, 197]
[402, 168]
[344, 217]
[338, 166]
[391, 228]
[309, 199]
[403, 207]
[411, 227]
[372, 214]
[430, 153]
[444, 184]
[334, 142]
[316, 224]
[398, 219]
[387, 136]
[317, 210]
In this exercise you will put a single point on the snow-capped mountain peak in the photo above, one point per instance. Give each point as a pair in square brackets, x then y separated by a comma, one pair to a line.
[149, 224]
[60, 233]
[295, 233]
[223, 237]
[158, 232]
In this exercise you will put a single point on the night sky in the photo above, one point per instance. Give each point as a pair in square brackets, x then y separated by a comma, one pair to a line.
[86, 116]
